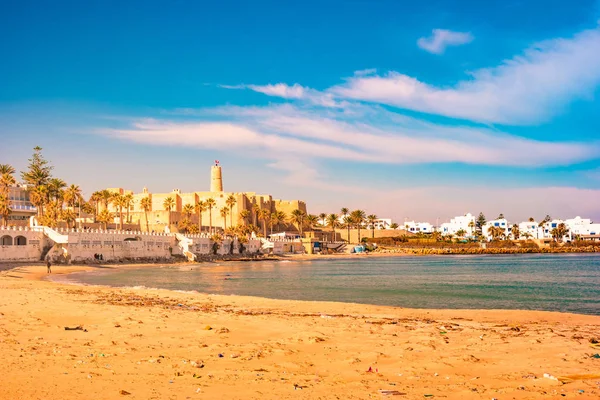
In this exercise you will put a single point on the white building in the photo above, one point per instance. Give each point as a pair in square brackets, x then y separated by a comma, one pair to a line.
[582, 227]
[416, 227]
[498, 223]
[530, 230]
[464, 222]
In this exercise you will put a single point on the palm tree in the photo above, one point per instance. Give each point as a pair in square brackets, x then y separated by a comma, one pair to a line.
[210, 204]
[107, 197]
[188, 210]
[297, 217]
[311, 221]
[146, 205]
[39, 197]
[371, 220]
[322, 217]
[200, 207]
[264, 215]
[559, 232]
[120, 202]
[244, 214]
[6, 181]
[461, 233]
[516, 233]
[348, 221]
[230, 201]
[95, 199]
[128, 203]
[224, 211]
[7, 169]
[358, 217]
[4, 209]
[332, 221]
[501, 216]
[471, 227]
[531, 219]
[105, 217]
[495, 232]
[344, 213]
[277, 217]
[394, 225]
[169, 203]
[255, 210]
[69, 216]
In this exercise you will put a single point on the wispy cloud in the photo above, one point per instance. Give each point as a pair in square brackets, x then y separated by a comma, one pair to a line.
[440, 39]
[527, 89]
[369, 134]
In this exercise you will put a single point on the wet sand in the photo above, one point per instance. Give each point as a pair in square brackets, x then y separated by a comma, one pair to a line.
[159, 344]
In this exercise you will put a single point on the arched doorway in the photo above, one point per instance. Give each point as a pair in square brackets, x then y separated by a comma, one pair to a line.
[6, 240]
[20, 241]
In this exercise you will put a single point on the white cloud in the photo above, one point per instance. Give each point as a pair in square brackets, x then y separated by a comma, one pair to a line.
[440, 39]
[526, 89]
[369, 135]
[280, 90]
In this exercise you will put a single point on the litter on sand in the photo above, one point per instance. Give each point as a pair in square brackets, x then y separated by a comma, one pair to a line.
[391, 393]
[77, 328]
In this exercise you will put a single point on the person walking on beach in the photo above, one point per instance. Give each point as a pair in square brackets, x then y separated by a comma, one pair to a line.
[48, 264]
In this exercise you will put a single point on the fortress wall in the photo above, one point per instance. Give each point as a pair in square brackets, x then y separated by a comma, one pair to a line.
[112, 245]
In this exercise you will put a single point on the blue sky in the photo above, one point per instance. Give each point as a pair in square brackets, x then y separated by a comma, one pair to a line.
[408, 110]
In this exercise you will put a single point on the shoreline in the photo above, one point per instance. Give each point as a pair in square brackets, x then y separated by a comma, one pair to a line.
[166, 344]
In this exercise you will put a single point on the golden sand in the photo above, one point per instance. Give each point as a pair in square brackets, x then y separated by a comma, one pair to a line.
[159, 344]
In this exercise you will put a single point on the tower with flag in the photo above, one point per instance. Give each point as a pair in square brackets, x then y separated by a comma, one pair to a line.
[216, 178]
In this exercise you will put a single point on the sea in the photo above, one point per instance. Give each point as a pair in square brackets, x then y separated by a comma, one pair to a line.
[551, 282]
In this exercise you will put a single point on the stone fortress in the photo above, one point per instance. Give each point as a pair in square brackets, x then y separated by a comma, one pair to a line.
[159, 219]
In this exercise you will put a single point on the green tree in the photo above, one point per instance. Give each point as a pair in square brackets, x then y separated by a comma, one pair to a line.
[480, 222]
[371, 221]
[230, 203]
[105, 217]
[559, 231]
[323, 217]
[120, 202]
[297, 217]
[358, 217]
[210, 204]
[394, 225]
[6, 178]
[332, 221]
[311, 220]
[169, 203]
[188, 210]
[38, 171]
[264, 215]
[515, 231]
[224, 211]
[146, 205]
[461, 233]
[244, 214]
[4, 208]
[277, 218]
[200, 207]
[128, 203]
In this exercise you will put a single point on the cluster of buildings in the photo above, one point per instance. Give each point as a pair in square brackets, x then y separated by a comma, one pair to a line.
[466, 226]
[247, 205]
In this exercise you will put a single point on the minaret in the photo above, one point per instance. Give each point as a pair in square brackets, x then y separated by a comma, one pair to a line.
[216, 179]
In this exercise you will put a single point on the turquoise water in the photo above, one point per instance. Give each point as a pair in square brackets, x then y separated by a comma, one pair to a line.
[553, 282]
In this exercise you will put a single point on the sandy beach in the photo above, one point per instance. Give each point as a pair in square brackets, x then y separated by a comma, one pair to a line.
[159, 344]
